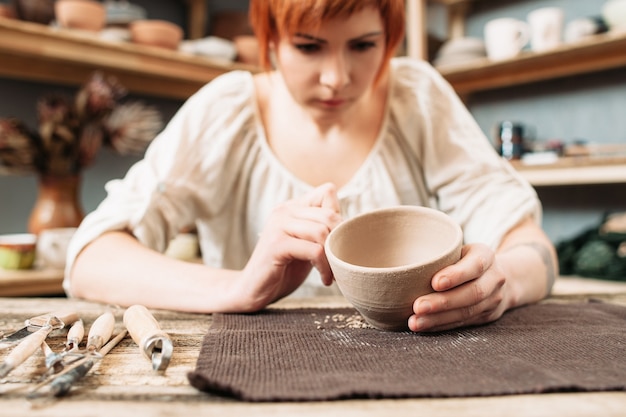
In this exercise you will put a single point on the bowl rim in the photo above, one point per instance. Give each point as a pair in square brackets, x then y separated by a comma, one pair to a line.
[457, 241]
[11, 239]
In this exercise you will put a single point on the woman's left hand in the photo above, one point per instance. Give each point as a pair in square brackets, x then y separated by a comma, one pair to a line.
[472, 291]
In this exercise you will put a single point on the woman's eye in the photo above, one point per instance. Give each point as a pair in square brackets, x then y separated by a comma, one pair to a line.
[363, 46]
[308, 48]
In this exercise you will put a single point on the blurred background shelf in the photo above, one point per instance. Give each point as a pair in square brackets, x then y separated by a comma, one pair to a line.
[595, 53]
[575, 171]
[30, 51]
[592, 54]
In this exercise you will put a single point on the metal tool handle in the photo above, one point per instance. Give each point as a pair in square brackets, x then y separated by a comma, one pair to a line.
[100, 331]
[153, 342]
[57, 319]
[24, 350]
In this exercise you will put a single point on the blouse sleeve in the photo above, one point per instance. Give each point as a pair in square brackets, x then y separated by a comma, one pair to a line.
[462, 171]
[182, 176]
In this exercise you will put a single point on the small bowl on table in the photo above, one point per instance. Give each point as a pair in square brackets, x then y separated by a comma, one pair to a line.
[153, 32]
[17, 251]
[383, 260]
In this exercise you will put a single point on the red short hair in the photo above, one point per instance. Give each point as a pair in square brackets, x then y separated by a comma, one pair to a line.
[270, 18]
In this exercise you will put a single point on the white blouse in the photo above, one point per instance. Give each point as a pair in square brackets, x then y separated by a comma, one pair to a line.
[212, 168]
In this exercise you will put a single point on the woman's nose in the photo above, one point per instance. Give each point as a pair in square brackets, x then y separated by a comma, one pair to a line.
[335, 73]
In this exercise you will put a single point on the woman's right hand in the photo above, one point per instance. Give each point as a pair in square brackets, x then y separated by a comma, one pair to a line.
[290, 245]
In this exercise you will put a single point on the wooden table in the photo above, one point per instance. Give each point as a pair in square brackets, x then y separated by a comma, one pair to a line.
[123, 384]
[31, 282]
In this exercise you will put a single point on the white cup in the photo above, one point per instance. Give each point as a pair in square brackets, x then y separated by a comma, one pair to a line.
[505, 37]
[52, 246]
[546, 28]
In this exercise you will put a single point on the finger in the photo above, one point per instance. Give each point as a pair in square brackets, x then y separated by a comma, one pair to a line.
[462, 306]
[313, 232]
[304, 228]
[324, 196]
[323, 267]
[485, 311]
[462, 297]
[475, 260]
[315, 214]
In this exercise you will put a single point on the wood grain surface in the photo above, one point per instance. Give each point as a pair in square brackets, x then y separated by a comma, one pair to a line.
[124, 384]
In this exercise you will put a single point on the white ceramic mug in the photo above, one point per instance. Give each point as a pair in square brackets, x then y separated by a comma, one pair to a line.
[505, 37]
[546, 28]
[52, 246]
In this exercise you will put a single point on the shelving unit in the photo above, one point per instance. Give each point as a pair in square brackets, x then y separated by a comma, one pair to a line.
[35, 52]
[30, 51]
[593, 54]
[575, 171]
[596, 53]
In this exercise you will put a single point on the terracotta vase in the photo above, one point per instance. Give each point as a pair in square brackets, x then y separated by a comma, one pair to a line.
[57, 204]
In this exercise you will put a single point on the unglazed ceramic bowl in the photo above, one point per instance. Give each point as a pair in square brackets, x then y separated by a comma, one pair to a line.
[385, 259]
[159, 33]
[17, 251]
[89, 15]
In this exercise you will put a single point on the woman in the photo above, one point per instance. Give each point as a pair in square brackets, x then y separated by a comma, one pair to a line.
[265, 166]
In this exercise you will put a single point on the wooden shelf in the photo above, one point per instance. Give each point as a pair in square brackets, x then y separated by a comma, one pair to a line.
[575, 171]
[29, 51]
[595, 53]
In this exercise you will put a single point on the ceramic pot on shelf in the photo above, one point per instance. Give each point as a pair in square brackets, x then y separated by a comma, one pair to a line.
[38, 11]
[58, 204]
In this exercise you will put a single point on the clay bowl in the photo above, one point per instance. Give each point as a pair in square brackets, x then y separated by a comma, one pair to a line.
[17, 251]
[159, 33]
[384, 260]
[88, 15]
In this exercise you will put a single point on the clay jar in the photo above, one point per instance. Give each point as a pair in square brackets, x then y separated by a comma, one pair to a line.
[384, 260]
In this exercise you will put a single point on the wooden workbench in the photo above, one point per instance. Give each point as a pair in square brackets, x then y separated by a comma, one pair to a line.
[123, 384]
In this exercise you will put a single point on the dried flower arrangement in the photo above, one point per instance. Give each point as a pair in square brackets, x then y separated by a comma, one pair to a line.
[71, 133]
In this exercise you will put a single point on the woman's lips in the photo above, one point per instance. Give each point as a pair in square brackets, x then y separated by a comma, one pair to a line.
[336, 102]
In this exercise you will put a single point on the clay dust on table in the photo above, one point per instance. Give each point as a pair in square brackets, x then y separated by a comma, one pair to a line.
[342, 321]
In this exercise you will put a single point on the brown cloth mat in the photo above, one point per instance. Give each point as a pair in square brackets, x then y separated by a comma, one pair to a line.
[329, 354]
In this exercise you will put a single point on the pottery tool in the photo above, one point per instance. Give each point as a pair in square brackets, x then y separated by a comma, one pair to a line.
[24, 350]
[37, 330]
[56, 320]
[74, 336]
[154, 343]
[99, 334]
[55, 362]
[61, 384]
